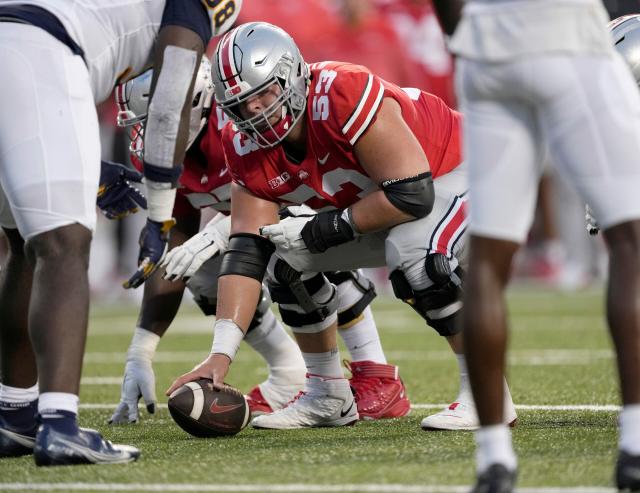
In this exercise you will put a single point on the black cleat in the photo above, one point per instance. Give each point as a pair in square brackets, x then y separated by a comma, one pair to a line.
[53, 448]
[628, 472]
[16, 442]
[496, 479]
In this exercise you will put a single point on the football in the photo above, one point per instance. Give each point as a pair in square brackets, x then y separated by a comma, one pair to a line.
[203, 411]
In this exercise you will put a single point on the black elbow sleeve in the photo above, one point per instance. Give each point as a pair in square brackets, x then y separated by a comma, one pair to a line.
[247, 255]
[414, 195]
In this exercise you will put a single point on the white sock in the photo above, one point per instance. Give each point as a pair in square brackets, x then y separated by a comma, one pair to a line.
[465, 386]
[494, 447]
[629, 422]
[362, 339]
[16, 395]
[59, 401]
[143, 344]
[271, 341]
[324, 364]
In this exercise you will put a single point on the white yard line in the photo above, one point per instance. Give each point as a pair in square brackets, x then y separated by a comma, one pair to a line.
[284, 488]
[528, 357]
[523, 407]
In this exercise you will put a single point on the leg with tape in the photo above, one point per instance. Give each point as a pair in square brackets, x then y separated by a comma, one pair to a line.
[380, 392]
[309, 307]
[440, 305]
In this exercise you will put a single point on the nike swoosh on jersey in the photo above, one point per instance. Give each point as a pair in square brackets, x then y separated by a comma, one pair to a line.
[343, 413]
[216, 409]
[223, 171]
[324, 159]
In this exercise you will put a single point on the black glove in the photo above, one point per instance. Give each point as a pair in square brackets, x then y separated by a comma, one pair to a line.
[116, 197]
[325, 230]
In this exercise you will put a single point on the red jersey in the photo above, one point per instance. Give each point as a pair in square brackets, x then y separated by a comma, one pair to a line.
[343, 102]
[205, 180]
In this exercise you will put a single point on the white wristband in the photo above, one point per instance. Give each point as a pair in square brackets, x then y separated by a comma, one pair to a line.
[227, 337]
[143, 345]
[160, 202]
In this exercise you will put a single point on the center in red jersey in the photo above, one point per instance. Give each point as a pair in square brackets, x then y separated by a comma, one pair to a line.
[342, 103]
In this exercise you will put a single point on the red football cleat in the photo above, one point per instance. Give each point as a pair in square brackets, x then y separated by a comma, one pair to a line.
[380, 393]
[257, 403]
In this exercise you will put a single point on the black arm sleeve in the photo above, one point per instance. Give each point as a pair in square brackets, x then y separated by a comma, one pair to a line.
[191, 14]
[247, 255]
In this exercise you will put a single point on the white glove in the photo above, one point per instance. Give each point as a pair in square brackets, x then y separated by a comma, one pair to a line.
[183, 261]
[139, 381]
[285, 235]
[591, 222]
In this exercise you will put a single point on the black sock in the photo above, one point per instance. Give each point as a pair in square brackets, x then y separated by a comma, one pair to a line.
[61, 421]
[20, 415]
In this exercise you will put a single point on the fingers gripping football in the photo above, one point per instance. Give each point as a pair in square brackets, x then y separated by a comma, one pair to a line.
[184, 261]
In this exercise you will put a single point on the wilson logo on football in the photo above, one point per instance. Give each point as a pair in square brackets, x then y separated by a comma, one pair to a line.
[216, 409]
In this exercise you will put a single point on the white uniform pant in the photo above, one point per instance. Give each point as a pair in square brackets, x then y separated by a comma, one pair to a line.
[584, 109]
[405, 246]
[49, 137]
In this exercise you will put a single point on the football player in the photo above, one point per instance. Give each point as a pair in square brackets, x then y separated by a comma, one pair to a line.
[205, 182]
[59, 59]
[361, 151]
[548, 80]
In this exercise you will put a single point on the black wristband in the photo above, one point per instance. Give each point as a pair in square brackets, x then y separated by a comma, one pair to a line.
[161, 174]
[325, 230]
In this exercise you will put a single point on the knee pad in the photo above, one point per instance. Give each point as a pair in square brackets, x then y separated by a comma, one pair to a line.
[439, 304]
[300, 302]
[355, 293]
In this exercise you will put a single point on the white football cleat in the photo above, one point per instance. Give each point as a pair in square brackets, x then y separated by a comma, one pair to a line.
[324, 403]
[267, 397]
[462, 415]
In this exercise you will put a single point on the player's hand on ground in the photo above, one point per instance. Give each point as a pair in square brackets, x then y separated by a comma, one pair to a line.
[117, 198]
[154, 240]
[184, 261]
[139, 381]
[286, 235]
[215, 367]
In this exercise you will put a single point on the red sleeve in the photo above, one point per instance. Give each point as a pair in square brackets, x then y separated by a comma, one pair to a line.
[356, 97]
[182, 207]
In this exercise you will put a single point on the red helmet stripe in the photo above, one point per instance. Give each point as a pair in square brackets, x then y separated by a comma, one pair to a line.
[120, 97]
[226, 62]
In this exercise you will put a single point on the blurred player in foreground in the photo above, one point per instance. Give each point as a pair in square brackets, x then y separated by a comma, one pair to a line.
[533, 76]
[60, 58]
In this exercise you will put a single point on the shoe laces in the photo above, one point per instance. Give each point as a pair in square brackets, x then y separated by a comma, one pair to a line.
[300, 394]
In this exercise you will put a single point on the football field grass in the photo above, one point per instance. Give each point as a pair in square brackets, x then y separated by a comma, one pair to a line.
[561, 373]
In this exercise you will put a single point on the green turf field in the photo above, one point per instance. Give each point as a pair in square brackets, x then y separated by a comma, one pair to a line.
[560, 357]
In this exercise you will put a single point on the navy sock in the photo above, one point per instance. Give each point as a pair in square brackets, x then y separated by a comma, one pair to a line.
[61, 421]
[20, 415]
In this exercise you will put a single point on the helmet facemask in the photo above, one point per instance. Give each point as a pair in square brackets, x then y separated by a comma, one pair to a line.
[245, 79]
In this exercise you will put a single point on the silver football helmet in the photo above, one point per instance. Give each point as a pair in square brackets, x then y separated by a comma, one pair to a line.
[626, 36]
[132, 98]
[251, 58]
